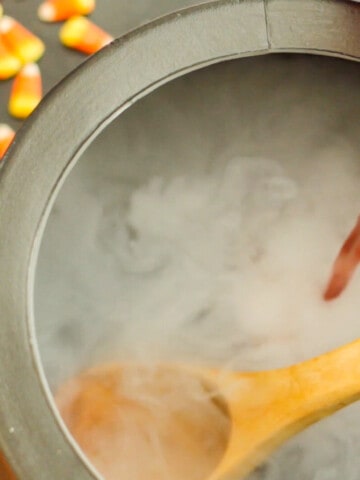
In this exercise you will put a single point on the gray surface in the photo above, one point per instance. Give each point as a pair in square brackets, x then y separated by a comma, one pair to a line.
[30, 435]
[290, 17]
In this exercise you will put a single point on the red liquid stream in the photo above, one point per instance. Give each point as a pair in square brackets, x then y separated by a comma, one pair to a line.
[344, 265]
[5, 472]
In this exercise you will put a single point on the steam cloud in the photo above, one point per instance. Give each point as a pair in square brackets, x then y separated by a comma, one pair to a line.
[201, 227]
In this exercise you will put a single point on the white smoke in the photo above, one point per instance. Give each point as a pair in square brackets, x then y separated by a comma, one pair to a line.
[202, 227]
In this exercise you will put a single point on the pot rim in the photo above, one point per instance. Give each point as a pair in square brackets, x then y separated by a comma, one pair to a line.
[46, 148]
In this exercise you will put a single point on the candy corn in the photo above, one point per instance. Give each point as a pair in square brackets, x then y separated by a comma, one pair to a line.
[9, 63]
[57, 10]
[20, 41]
[26, 91]
[81, 34]
[7, 135]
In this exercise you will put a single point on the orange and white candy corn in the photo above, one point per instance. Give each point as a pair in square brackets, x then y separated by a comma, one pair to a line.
[58, 10]
[20, 41]
[7, 135]
[26, 91]
[83, 35]
[9, 63]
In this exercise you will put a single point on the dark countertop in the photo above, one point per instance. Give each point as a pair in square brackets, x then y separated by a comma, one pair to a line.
[115, 16]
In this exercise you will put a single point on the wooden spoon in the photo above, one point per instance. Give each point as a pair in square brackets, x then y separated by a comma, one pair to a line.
[267, 408]
[264, 408]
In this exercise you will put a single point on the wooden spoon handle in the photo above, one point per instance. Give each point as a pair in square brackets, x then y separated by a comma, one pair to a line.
[269, 407]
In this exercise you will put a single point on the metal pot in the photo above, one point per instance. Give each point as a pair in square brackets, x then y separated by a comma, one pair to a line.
[32, 435]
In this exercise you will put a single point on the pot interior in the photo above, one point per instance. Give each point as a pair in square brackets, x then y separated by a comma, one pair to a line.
[201, 227]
